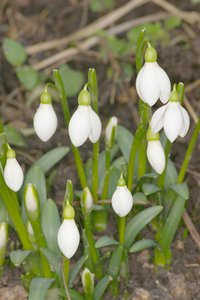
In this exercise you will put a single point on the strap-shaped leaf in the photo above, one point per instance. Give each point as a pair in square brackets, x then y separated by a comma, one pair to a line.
[18, 256]
[76, 269]
[181, 189]
[75, 295]
[149, 189]
[172, 223]
[101, 287]
[142, 244]
[105, 241]
[124, 140]
[138, 222]
[39, 288]
[115, 261]
[50, 225]
[51, 158]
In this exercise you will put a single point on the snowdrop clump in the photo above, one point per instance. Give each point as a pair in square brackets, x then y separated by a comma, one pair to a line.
[68, 234]
[172, 117]
[84, 123]
[155, 152]
[13, 174]
[45, 119]
[152, 82]
[122, 199]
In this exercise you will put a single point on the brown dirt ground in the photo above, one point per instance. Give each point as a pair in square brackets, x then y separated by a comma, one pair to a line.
[34, 21]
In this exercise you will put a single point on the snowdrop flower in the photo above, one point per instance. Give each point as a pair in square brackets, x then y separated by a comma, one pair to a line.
[172, 117]
[13, 174]
[68, 234]
[111, 132]
[86, 200]
[155, 152]
[122, 200]
[45, 120]
[84, 123]
[31, 201]
[152, 81]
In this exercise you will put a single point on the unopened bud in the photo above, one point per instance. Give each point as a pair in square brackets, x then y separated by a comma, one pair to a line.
[86, 200]
[31, 201]
[87, 278]
[111, 131]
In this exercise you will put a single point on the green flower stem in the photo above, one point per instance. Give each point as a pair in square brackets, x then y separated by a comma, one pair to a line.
[189, 151]
[142, 158]
[10, 200]
[122, 224]
[96, 268]
[93, 88]
[161, 178]
[67, 116]
[107, 176]
[65, 276]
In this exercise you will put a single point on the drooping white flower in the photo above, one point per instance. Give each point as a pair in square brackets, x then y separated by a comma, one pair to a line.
[111, 131]
[84, 123]
[155, 151]
[172, 117]
[45, 120]
[122, 199]
[68, 234]
[152, 82]
[13, 174]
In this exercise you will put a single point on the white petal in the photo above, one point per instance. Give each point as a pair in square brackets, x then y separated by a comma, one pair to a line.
[45, 122]
[79, 126]
[157, 118]
[95, 125]
[164, 84]
[112, 124]
[68, 238]
[186, 122]
[138, 78]
[13, 174]
[156, 156]
[3, 234]
[148, 84]
[173, 121]
[122, 201]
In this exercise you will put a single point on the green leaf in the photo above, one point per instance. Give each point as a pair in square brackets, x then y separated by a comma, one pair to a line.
[14, 137]
[115, 261]
[137, 223]
[59, 84]
[55, 261]
[171, 174]
[35, 175]
[181, 189]
[142, 244]
[50, 225]
[105, 241]
[73, 80]
[139, 197]
[51, 158]
[3, 212]
[149, 189]
[172, 23]
[101, 5]
[76, 269]
[114, 177]
[75, 295]
[17, 257]
[172, 223]
[39, 288]
[27, 76]
[14, 52]
[101, 287]
[124, 140]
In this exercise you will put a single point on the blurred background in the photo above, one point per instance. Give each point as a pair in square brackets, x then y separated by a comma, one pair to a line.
[74, 35]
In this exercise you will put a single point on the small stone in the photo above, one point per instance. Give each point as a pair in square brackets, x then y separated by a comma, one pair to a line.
[13, 293]
[177, 286]
[141, 294]
[143, 257]
[179, 245]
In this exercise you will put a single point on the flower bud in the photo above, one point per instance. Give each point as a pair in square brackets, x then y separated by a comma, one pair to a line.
[45, 120]
[111, 132]
[31, 201]
[87, 279]
[31, 234]
[122, 199]
[68, 234]
[86, 200]
[13, 174]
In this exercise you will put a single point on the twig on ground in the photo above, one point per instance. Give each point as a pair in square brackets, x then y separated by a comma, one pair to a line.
[67, 54]
[87, 31]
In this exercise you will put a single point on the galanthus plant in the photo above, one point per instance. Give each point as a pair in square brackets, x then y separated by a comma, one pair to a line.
[129, 176]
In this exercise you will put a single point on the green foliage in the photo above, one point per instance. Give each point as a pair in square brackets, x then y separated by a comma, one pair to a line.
[14, 52]
[27, 76]
[105, 241]
[39, 287]
[101, 5]
[18, 256]
[14, 137]
[72, 79]
[141, 245]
